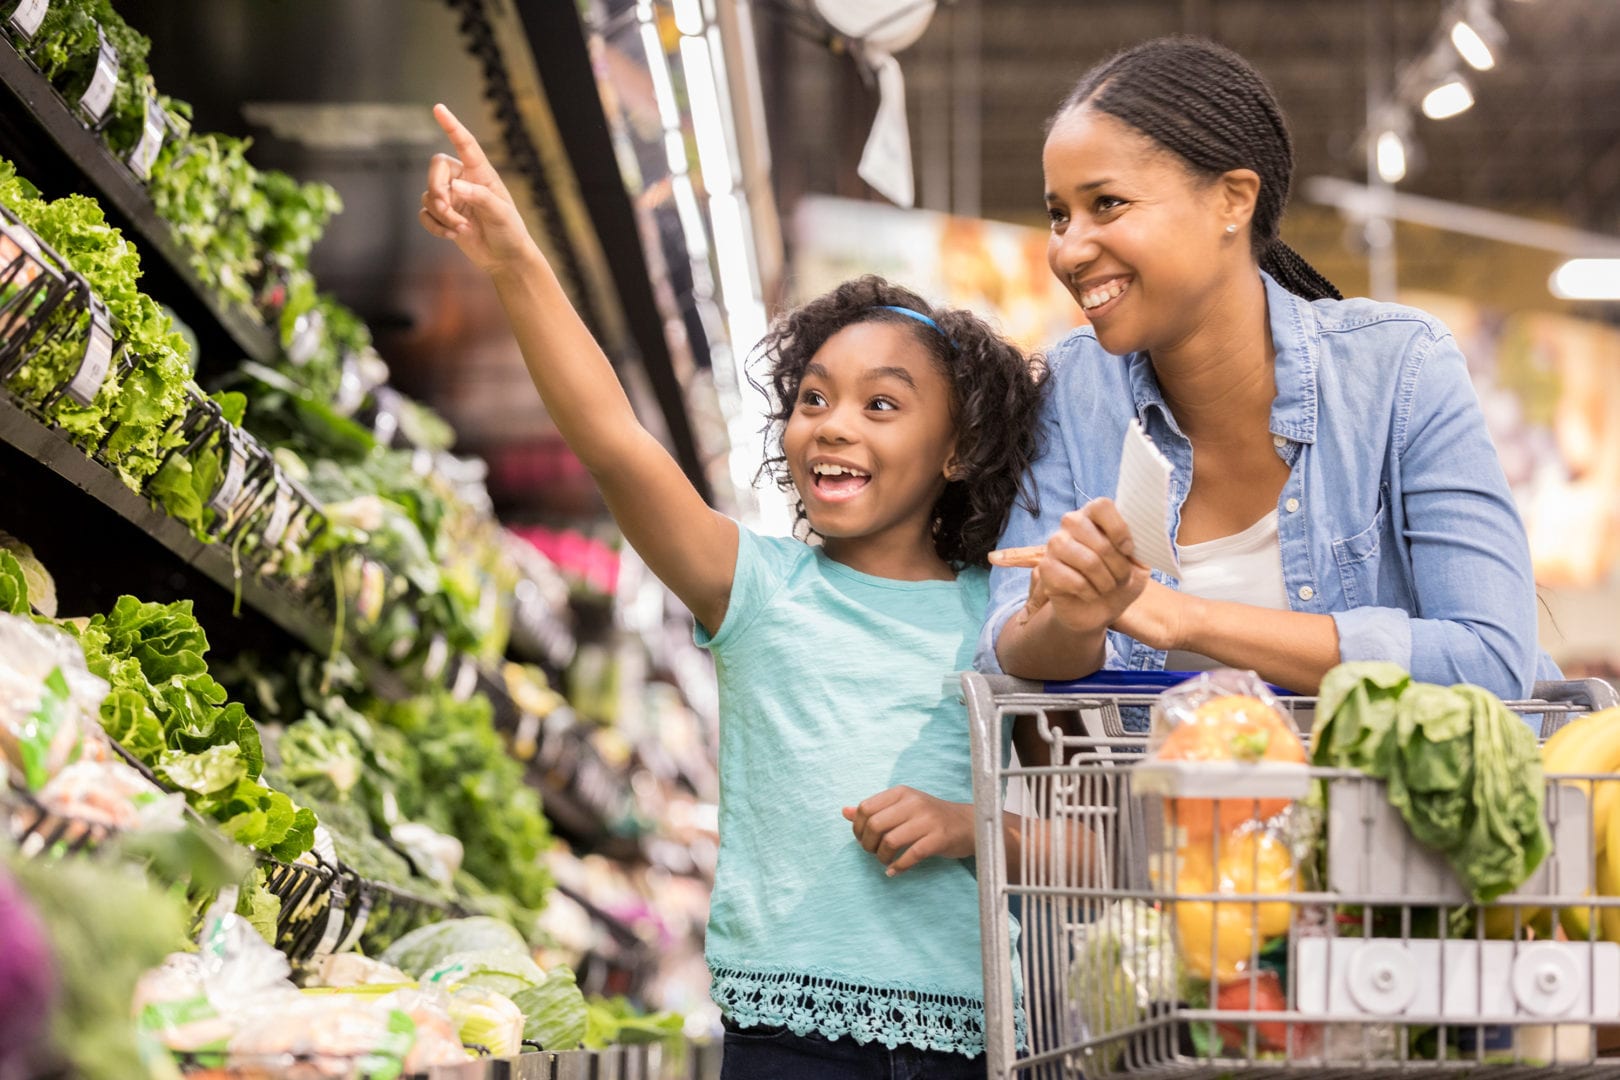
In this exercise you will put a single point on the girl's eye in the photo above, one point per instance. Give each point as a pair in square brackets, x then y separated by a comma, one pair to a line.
[882, 405]
[812, 398]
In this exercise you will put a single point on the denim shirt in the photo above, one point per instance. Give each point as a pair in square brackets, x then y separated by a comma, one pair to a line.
[1396, 519]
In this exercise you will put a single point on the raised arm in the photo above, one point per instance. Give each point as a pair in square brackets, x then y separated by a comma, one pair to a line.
[691, 547]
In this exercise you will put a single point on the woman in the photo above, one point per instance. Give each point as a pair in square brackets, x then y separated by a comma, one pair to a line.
[1335, 494]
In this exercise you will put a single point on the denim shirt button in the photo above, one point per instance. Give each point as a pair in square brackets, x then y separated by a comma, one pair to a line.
[1306, 592]
[1291, 505]
[1279, 441]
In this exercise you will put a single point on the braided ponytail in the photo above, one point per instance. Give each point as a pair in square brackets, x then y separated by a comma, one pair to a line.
[1295, 274]
[1210, 107]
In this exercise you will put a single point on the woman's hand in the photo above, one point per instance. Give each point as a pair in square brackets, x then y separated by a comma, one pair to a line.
[1088, 574]
[466, 202]
[1160, 617]
[903, 826]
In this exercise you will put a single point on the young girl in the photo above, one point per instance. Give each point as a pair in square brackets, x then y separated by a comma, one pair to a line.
[904, 432]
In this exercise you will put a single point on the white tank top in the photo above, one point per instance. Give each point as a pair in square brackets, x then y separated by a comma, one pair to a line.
[1245, 568]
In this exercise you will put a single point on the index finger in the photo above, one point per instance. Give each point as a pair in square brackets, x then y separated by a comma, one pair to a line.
[471, 154]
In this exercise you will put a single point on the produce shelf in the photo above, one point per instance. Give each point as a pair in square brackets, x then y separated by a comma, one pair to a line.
[71, 158]
[97, 555]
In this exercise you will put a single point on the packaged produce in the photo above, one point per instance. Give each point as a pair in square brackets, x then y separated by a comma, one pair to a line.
[421, 949]
[47, 695]
[1222, 716]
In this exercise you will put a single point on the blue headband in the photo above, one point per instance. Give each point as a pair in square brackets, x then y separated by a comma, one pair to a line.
[920, 317]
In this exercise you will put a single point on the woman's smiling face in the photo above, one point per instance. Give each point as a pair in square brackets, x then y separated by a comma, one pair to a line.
[1136, 236]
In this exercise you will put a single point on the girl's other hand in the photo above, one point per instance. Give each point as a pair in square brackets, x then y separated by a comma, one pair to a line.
[903, 826]
[1088, 574]
[466, 202]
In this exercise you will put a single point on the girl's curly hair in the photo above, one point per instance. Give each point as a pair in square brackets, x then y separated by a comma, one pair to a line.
[995, 396]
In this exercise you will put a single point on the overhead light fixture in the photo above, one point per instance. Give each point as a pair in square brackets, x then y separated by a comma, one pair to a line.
[1390, 153]
[1586, 279]
[1471, 46]
[1448, 99]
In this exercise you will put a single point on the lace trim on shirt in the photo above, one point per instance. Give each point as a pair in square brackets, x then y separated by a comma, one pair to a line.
[804, 1002]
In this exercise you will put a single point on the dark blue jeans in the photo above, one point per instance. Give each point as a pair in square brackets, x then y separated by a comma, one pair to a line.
[775, 1053]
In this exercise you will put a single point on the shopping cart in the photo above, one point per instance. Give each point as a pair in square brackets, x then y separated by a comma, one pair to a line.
[1383, 965]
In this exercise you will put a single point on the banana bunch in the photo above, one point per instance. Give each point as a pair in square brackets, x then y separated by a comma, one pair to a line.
[1588, 745]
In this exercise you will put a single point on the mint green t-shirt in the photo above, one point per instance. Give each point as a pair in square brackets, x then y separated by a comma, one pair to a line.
[833, 687]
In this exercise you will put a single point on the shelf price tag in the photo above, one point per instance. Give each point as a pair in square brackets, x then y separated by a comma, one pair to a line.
[29, 14]
[308, 330]
[438, 652]
[234, 461]
[281, 512]
[98, 348]
[153, 127]
[99, 94]
[466, 680]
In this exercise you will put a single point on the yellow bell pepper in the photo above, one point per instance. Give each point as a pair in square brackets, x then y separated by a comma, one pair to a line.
[1218, 938]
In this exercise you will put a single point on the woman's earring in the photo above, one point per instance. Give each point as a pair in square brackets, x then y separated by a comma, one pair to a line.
[1230, 229]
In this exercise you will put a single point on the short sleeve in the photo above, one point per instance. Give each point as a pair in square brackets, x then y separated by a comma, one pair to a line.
[763, 564]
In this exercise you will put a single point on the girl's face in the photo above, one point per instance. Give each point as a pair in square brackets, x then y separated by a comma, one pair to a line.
[870, 439]
[1136, 238]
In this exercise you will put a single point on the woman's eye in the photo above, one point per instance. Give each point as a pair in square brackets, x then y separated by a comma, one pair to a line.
[1106, 203]
[1056, 216]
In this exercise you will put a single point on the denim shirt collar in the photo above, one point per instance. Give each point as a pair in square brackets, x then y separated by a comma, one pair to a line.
[1293, 334]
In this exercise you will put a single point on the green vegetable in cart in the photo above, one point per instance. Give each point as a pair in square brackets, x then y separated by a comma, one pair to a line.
[1462, 768]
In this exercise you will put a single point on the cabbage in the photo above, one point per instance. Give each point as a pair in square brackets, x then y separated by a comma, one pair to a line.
[504, 970]
[554, 1012]
[486, 1018]
[421, 949]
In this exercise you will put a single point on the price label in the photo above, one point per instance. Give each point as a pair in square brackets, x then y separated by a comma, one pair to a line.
[351, 387]
[152, 131]
[235, 463]
[466, 680]
[99, 94]
[308, 330]
[438, 652]
[281, 512]
[86, 383]
[29, 14]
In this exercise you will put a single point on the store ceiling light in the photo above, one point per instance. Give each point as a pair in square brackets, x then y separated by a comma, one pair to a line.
[689, 17]
[1448, 99]
[1586, 279]
[1391, 156]
[1471, 46]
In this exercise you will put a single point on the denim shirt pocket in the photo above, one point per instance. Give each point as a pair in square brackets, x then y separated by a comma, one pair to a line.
[1357, 558]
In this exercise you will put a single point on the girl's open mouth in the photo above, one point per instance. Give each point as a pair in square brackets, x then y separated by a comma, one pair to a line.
[838, 483]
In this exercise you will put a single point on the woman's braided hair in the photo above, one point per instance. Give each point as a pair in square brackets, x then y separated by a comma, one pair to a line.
[1209, 106]
[996, 394]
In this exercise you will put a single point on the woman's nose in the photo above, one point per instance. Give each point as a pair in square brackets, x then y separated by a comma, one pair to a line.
[1073, 249]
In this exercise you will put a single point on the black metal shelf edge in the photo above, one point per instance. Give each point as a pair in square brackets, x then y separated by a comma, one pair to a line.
[61, 457]
[126, 201]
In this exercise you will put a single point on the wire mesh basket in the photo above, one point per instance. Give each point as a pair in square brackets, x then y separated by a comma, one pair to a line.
[1150, 941]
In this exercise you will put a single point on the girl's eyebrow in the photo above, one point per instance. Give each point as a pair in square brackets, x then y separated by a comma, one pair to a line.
[899, 373]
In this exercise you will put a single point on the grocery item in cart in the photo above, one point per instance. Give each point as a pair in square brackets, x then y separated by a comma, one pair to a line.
[1222, 716]
[1221, 939]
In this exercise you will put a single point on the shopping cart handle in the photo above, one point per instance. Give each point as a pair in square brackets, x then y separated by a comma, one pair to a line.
[1133, 682]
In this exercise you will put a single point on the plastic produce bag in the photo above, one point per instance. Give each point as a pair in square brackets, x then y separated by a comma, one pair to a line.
[1222, 716]
[48, 698]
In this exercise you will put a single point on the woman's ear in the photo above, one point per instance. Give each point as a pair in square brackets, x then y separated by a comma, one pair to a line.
[953, 467]
[1236, 192]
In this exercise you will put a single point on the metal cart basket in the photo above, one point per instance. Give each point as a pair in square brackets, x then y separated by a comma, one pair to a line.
[1357, 950]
